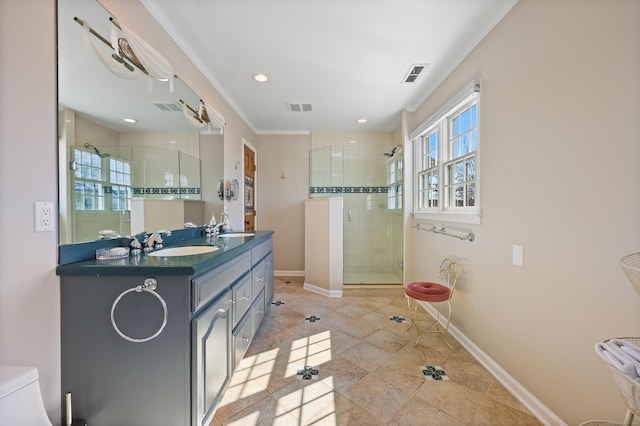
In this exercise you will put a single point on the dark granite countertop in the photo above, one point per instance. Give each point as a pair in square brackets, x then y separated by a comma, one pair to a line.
[175, 265]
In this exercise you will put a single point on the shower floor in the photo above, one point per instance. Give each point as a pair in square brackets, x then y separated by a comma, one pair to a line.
[370, 278]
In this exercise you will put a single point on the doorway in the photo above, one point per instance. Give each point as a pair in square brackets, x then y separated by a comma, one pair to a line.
[249, 188]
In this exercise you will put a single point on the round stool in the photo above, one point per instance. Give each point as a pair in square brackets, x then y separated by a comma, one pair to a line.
[433, 293]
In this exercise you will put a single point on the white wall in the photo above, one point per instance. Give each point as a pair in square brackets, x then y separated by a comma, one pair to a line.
[29, 290]
[559, 131]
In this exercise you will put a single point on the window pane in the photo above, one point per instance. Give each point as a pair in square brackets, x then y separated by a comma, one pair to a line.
[455, 126]
[464, 121]
[473, 140]
[471, 168]
[471, 194]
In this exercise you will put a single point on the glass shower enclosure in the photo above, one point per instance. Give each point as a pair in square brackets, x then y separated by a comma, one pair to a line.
[369, 180]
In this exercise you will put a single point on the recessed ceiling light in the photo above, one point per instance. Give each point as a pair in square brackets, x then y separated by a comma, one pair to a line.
[130, 120]
[361, 120]
[260, 78]
[172, 142]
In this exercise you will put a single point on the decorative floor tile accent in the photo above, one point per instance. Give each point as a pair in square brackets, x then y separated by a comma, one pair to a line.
[287, 282]
[308, 373]
[277, 303]
[434, 372]
[312, 318]
[397, 319]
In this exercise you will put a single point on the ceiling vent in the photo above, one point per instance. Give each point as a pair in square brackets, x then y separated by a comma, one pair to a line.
[168, 106]
[299, 106]
[413, 73]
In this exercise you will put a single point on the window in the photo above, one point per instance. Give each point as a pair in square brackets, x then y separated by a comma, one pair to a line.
[394, 181]
[88, 185]
[120, 178]
[446, 161]
[93, 190]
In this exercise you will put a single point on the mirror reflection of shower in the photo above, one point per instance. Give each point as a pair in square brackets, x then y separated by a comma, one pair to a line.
[101, 155]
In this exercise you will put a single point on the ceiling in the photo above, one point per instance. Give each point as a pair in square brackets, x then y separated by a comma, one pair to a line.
[347, 59]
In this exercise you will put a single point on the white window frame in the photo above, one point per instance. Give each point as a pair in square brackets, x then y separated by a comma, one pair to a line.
[440, 210]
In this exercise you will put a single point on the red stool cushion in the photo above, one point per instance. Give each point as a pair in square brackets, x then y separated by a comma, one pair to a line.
[429, 292]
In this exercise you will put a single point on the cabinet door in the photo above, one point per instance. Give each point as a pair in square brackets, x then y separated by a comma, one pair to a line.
[212, 357]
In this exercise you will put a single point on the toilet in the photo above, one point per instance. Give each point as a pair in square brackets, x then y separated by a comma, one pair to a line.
[20, 398]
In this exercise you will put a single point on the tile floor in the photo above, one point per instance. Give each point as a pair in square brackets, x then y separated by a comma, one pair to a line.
[351, 361]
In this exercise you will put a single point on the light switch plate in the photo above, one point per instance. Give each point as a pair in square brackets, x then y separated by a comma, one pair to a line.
[518, 255]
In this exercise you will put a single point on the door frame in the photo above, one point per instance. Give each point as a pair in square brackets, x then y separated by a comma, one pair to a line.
[245, 143]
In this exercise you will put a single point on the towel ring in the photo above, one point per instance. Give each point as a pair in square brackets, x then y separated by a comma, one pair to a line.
[149, 285]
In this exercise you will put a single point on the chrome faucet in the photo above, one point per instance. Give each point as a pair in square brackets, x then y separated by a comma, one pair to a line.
[214, 228]
[154, 240]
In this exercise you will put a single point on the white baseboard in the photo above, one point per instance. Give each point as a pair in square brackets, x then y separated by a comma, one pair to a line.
[526, 398]
[288, 273]
[322, 291]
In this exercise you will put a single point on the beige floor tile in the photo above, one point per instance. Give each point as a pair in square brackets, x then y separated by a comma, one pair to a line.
[369, 370]
[454, 399]
[366, 355]
[386, 340]
[417, 413]
[492, 413]
[405, 375]
[378, 397]
[343, 372]
[498, 393]
[343, 412]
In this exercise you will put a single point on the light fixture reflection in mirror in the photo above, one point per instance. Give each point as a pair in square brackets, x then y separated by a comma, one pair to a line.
[92, 104]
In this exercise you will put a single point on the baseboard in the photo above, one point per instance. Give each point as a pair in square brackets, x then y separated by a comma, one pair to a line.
[322, 291]
[526, 398]
[288, 273]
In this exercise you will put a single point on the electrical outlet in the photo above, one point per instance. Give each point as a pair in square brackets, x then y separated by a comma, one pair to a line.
[43, 216]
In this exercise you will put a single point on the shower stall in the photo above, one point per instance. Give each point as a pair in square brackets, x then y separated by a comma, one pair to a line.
[369, 181]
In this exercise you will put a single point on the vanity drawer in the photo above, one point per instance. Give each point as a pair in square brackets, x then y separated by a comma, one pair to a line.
[242, 339]
[259, 276]
[242, 298]
[260, 251]
[207, 286]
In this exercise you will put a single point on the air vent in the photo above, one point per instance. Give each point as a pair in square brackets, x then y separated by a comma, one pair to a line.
[168, 106]
[299, 106]
[413, 73]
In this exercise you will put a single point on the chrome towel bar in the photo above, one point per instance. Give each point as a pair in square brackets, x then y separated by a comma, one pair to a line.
[442, 230]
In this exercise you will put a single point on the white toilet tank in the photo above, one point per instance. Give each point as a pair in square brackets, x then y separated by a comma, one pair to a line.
[20, 398]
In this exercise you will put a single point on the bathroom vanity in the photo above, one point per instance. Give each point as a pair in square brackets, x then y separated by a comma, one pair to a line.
[153, 340]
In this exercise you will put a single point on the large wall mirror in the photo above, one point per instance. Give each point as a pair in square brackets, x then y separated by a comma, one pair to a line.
[117, 177]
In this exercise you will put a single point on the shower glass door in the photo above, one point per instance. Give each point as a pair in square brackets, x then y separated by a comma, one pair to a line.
[372, 198]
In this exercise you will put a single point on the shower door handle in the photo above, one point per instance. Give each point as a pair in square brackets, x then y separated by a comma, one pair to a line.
[348, 215]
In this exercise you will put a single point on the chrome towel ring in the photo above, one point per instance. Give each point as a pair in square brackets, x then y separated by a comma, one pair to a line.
[149, 286]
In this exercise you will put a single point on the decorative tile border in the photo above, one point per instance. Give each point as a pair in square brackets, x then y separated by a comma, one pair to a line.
[348, 189]
[165, 191]
[434, 372]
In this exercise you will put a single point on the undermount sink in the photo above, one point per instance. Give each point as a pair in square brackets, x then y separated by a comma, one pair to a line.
[238, 234]
[183, 251]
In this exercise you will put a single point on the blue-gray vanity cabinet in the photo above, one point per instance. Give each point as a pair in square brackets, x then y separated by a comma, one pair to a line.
[177, 373]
